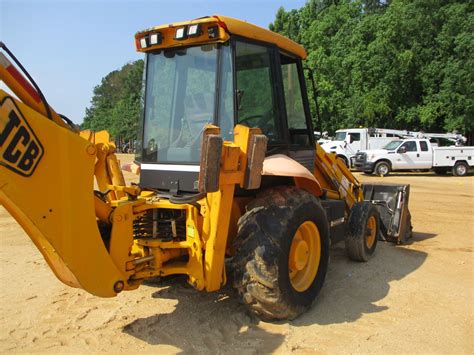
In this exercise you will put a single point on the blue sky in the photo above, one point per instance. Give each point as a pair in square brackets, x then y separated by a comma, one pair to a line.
[69, 45]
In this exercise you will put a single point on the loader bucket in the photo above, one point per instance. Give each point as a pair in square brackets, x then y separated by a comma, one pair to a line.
[392, 203]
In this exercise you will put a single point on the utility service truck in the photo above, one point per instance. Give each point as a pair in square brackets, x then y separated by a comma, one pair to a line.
[347, 142]
[232, 185]
[415, 154]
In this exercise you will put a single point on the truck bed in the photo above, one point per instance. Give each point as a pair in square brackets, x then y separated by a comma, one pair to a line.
[447, 156]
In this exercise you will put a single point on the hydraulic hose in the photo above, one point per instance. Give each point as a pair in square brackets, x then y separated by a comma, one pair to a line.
[38, 90]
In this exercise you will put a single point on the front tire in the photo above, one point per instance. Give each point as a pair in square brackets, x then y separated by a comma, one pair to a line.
[382, 168]
[282, 253]
[364, 229]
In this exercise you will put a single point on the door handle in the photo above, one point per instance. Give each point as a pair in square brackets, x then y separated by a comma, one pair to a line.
[417, 155]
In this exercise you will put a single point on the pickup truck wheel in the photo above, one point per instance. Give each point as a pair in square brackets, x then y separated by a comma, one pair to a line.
[364, 224]
[281, 253]
[382, 168]
[460, 169]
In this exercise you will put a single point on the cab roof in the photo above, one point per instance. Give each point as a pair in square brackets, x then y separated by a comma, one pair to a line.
[239, 28]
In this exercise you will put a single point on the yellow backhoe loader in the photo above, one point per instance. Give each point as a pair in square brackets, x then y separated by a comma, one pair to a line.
[233, 187]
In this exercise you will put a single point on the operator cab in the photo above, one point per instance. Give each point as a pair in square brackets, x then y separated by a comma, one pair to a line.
[208, 71]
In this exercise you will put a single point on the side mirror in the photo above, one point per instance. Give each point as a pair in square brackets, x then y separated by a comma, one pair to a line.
[402, 150]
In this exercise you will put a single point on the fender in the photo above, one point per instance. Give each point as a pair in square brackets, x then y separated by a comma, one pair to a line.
[282, 165]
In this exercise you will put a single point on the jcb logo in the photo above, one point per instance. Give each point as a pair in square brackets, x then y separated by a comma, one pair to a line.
[20, 149]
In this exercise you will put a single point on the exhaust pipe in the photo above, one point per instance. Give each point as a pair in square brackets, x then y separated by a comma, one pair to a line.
[392, 203]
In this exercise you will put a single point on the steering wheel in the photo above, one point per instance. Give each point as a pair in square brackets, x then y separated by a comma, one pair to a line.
[263, 122]
[246, 119]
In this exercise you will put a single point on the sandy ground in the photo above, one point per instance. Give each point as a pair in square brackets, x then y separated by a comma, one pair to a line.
[412, 298]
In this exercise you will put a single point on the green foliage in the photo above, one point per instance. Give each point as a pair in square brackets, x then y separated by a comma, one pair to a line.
[115, 105]
[398, 64]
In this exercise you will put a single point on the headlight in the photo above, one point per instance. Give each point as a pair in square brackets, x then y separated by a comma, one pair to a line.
[144, 42]
[180, 33]
[155, 38]
[194, 30]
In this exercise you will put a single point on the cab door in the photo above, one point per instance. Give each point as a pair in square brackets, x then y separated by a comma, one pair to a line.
[353, 142]
[425, 158]
[407, 156]
[295, 108]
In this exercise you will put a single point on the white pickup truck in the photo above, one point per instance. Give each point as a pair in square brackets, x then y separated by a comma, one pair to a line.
[415, 154]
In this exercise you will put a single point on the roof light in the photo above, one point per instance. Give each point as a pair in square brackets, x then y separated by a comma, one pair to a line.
[194, 30]
[180, 33]
[144, 42]
[155, 38]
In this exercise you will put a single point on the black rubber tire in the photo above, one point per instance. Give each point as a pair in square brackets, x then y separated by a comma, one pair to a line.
[356, 246]
[260, 270]
[440, 171]
[460, 169]
[379, 166]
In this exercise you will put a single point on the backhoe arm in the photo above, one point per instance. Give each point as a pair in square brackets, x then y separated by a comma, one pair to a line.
[47, 183]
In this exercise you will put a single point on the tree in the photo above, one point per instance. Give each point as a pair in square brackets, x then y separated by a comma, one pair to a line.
[398, 64]
[115, 105]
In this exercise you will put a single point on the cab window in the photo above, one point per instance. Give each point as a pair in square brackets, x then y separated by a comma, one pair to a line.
[292, 92]
[424, 146]
[255, 83]
[295, 112]
[410, 146]
[354, 137]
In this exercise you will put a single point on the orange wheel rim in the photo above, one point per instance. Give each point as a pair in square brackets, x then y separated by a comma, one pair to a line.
[305, 254]
[371, 231]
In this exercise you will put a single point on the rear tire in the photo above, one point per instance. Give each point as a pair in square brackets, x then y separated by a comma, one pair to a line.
[276, 274]
[364, 228]
[382, 168]
[460, 169]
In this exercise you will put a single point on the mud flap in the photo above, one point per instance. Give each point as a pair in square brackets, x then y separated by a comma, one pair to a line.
[392, 204]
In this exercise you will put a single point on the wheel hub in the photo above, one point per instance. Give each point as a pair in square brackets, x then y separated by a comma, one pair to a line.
[304, 256]
[461, 169]
[300, 255]
[383, 170]
[371, 229]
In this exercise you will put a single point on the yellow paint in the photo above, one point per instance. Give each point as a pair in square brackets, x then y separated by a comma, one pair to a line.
[305, 255]
[227, 26]
[56, 206]
[372, 227]
[336, 178]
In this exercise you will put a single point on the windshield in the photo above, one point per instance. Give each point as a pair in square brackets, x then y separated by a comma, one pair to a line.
[340, 136]
[179, 102]
[392, 145]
